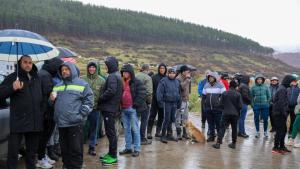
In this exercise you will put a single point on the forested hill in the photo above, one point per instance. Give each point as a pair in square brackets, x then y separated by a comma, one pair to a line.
[73, 18]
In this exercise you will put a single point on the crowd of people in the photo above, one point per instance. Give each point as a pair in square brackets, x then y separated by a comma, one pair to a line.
[57, 98]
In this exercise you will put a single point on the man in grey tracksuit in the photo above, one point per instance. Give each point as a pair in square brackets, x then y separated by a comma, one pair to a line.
[74, 100]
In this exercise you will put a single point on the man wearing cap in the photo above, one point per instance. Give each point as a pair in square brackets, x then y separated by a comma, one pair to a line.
[168, 98]
[183, 113]
[147, 82]
[273, 89]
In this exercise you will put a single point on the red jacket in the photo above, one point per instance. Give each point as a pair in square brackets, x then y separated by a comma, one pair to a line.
[225, 83]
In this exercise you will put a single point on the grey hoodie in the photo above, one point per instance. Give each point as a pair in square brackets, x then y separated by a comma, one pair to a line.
[74, 100]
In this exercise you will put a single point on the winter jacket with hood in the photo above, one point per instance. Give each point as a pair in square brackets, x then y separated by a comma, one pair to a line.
[293, 93]
[47, 73]
[147, 81]
[231, 102]
[25, 104]
[137, 89]
[168, 91]
[281, 104]
[156, 79]
[212, 93]
[111, 95]
[96, 83]
[201, 85]
[260, 93]
[244, 89]
[74, 99]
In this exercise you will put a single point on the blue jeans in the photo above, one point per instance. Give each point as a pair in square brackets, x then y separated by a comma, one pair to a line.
[214, 121]
[131, 122]
[93, 119]
[242, 119]
[261, 111]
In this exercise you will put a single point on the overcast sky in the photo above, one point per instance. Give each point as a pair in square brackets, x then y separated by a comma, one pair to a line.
[274, 23]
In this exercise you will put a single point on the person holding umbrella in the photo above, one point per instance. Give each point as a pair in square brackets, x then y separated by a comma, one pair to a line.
[26, 117]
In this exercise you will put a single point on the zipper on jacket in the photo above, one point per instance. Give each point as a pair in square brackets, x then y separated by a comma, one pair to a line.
[210, 101]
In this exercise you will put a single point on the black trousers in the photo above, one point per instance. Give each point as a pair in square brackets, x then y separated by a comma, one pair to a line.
[203, 113]
[293, 117]
[144, 121]
[110, 130]
[155, 110]
[71, 144]
[225, 122]
[280, 129]
[49, 126]
[14, 142]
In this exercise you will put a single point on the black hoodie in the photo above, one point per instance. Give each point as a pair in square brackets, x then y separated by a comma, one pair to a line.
[25, 104]
[156, 79]
[46, 74]
[110, 97]
[280, 102]
[137, 89]
[244, 89]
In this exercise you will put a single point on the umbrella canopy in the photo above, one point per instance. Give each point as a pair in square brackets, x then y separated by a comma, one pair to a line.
[177, 67]
[15, 43]
[66, 53]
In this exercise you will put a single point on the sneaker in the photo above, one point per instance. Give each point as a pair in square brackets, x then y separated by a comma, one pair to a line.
[125, 151]
[43, 164]
[172, 138]
[135, 154]
[243, 135]
[50, 161]
[297, 145]
[157, 135]
[164, 139]
[276, 151]
[216, 146]
[92, 152]
[109, 161]
[285, 150]
[290, 142]
[149, 136]
[104, 157]
[232, 145]
[211, 139]
[266, 134]
[257, 135]
[145, 141]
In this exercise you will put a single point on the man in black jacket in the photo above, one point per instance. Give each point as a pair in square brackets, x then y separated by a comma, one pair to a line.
[232, 104]
[155, 109]
[133, 101]
[280, 113]
[245, 93]
[273, 89]
[46, 74]
[109, 105]
[26, 117]
[293, 93]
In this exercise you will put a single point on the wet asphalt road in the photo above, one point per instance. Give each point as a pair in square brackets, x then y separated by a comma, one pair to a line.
[250, 153]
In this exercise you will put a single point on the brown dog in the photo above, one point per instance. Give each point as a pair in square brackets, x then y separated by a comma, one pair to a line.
[195, 133]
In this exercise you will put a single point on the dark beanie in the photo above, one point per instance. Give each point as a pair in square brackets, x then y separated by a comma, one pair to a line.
[233, 84]
[171, 70]
[184, 68]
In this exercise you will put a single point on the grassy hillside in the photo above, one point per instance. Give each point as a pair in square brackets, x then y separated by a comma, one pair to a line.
[203, 57]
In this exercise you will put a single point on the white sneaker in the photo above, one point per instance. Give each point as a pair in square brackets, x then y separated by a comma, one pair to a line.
[290, 142]
[297, 145]
[257, 135]
[43, 164]
[266, 134]
[50, 161]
